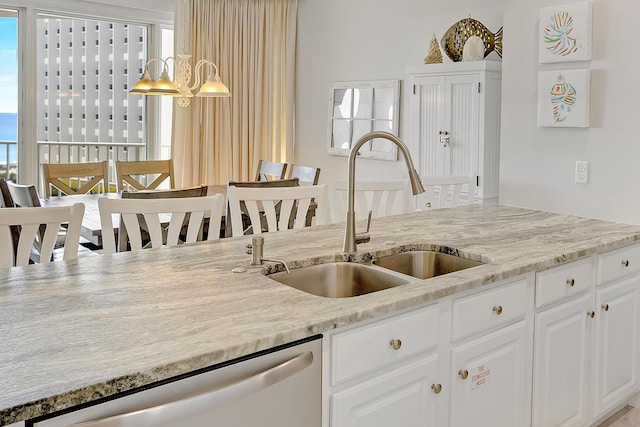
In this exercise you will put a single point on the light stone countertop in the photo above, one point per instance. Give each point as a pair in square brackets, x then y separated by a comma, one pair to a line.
[72, 332]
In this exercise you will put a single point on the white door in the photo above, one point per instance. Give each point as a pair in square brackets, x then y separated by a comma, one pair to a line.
[428, 124]
[462, 124]
[562, 364]
[403, 397]
[617, 355]
[489, 380]
[445, 124]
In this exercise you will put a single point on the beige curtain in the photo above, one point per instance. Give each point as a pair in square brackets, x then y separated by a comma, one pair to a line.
[253, 44]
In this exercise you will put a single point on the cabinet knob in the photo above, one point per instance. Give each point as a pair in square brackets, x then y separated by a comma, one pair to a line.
[443, 132]
[571, 282]
[463, 373]
[497, 309]
[591, 314]
[437, 388]
[605, 307]
[395, 344]
[625, 263]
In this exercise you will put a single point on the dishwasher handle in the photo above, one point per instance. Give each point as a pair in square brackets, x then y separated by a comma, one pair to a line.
[179, 409]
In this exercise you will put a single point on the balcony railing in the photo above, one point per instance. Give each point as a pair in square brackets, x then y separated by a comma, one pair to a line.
[8, 166]
[74, 152]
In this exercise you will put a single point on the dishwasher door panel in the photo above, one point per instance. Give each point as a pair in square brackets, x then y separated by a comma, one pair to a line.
[279, 389]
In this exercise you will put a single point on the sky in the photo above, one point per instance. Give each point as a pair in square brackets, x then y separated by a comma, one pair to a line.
[8, 65]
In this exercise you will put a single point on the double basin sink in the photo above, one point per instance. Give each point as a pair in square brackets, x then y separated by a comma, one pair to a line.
[349, 279]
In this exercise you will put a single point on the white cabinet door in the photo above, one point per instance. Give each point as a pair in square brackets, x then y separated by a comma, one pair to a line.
[617, 340]
[402, 397]
[455, 121]
[489, 380]
[448, 123]
[562, 364]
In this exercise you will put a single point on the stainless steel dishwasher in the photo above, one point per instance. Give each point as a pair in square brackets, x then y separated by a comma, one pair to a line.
[279, 388]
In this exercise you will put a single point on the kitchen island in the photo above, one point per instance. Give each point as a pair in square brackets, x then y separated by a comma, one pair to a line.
[73, 332]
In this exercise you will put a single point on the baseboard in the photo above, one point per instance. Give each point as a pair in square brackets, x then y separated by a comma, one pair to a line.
[634, 400]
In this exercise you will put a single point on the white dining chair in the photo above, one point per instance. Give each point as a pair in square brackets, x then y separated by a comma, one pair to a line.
[164, 220]
[382, 198]
[275, 208]
[447, 191]
[31, 221]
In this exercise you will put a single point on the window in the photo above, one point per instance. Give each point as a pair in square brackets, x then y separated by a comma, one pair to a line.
[357, 108]
[69, 56]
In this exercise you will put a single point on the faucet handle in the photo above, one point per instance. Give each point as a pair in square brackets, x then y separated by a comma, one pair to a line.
[369, 220]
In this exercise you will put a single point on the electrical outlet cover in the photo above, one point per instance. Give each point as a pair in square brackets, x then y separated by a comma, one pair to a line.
[582, 172]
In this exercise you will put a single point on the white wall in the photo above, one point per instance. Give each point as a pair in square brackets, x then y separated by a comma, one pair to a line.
[365, 40]
[537, 164]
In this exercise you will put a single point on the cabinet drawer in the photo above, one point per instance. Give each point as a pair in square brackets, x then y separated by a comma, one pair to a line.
[618, 263]
[563, 281]
[489, 309]
[372, 346]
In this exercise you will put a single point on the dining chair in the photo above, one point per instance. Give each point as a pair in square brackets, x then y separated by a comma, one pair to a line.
[270, 170]
[136, 175]
[86, 177]
[306, 174]
[23, 196]
[275, 209]
[30, 220]
[446, 191]
[197, 191]
[291, 182]
[5, 201]
[153, 211]
[26, 196]
[382, 198]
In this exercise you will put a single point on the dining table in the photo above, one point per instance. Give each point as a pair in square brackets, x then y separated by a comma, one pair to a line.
[91, 229]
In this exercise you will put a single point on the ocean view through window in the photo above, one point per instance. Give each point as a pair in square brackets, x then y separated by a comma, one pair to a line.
[9, 91]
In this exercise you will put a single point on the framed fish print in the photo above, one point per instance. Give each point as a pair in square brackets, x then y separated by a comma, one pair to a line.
[563, 98]
[565, 33]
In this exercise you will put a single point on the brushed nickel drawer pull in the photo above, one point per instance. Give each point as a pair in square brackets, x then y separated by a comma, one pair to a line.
[591, 314]
[497, 309]
[625, 263]
[605, 307]
[571, 282]
[395, 344]
[437, 388]
[463, 373]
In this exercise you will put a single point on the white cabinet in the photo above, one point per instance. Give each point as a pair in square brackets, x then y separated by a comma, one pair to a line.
[402, 397]
[455, 121]
[490, 379]
[385, 373]
[617, 355]
[586, 349]
[490, 364]
[563, 348]
[403, 370]
[562, 364]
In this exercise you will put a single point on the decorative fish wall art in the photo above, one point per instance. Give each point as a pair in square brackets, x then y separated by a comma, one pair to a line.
[457, 35]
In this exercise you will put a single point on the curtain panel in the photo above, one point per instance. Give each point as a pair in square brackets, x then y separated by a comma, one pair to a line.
[253, 43]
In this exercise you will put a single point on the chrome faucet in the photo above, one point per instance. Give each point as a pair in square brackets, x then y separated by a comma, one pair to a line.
[256, 250]
[350, 241]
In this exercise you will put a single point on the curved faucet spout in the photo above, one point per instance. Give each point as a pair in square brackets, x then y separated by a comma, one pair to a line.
[416, 185]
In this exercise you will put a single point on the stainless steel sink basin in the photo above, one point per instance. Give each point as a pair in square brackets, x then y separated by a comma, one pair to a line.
[338, 279]
[425, 264]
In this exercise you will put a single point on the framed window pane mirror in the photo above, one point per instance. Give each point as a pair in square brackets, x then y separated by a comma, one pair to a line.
[357, 108]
